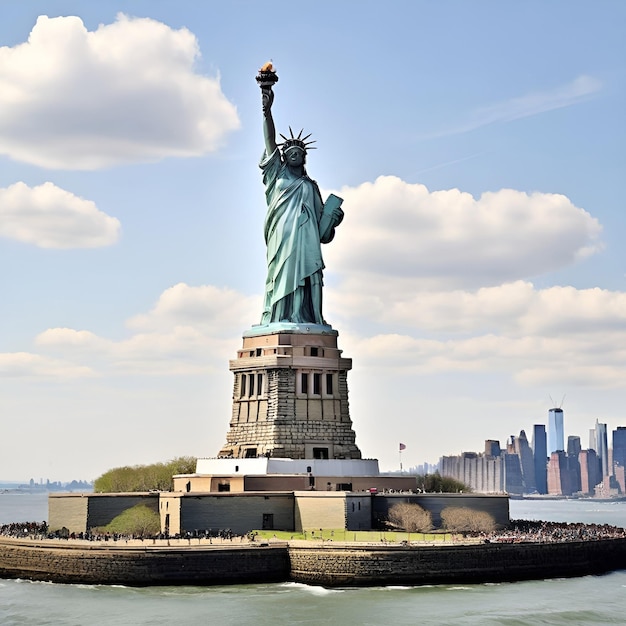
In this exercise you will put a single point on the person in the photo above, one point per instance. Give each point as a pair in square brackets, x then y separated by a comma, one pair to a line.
[296, 223]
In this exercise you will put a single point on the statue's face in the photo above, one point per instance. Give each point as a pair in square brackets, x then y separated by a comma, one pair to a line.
[295, 156]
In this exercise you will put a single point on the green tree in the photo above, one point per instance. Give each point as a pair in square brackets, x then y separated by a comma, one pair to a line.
[153, 477]
[139, 521]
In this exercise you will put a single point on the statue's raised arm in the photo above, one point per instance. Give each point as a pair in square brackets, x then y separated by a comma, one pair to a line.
[266, 79]
[296, 223]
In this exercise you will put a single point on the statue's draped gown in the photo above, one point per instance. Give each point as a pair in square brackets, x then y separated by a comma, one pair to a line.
[294, 256]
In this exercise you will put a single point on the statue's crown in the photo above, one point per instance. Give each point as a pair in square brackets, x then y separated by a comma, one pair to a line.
[296, 142]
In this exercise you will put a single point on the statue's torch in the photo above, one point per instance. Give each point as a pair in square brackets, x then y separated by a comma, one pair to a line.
[266, 76]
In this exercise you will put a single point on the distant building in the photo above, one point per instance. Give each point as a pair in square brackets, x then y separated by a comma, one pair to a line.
[483, 473]
[559, 482]
[619, 446]
[620, 478]
[573, 445]
[602, 448]
[556, 436]
[540, 456]
[514, 483]
[527, 461]
[573, 450]
[492, 447]
[592, 439]
[486, 473]
[589, 471]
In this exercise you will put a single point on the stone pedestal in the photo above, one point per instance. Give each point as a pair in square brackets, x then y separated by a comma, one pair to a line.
[290, 395]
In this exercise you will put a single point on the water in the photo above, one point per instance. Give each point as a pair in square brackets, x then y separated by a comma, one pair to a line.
[589, 600]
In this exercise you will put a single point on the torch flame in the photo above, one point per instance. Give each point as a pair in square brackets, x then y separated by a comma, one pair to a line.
[268, 67]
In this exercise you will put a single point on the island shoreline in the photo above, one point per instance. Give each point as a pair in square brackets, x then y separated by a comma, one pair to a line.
[329, 564]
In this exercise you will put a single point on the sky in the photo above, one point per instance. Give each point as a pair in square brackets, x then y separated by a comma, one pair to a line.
[477, 280]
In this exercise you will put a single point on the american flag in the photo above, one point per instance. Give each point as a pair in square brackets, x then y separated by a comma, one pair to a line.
[402, 447]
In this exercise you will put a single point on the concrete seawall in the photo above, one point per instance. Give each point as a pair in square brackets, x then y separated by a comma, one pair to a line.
[329, 564]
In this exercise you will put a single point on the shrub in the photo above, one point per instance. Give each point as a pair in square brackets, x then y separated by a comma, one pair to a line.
[462, 519]
[410, 517]
[139, 521]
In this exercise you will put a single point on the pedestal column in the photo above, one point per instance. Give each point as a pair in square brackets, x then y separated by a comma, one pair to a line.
[290, 396]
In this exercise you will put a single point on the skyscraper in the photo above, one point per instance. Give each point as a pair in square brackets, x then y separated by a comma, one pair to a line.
[559, 483]
[527, 462]
[602, 448]
[556, 436]
[589, 471]
[592, 439]
[540, 452]
[619, 446]
[573, 463]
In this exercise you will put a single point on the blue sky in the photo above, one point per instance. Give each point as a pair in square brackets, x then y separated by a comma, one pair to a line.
[479, 149]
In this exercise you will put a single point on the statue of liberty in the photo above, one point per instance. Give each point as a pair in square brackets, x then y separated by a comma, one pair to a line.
[296, 224]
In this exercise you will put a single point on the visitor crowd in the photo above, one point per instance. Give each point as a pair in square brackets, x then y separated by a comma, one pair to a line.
[40, 530]
[520, 531]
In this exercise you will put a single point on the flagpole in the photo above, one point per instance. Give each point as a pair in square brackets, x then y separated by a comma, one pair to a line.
[401, 447]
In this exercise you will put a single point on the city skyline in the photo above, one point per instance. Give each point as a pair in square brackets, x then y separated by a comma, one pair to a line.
[479, 269]
[546, 466]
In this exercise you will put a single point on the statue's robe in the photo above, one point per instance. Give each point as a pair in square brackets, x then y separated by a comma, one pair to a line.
[292, 235]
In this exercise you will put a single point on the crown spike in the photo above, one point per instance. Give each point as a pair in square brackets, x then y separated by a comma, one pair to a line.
[294, 141]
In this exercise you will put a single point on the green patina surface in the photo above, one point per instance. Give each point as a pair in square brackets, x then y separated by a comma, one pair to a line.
[297, 222]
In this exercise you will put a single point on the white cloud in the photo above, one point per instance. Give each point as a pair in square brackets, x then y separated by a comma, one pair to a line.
[218, 309]
[516, 309]
[24, 364]
[74, 341]
[404, 237]
[190, 330]
[532, 361]
[50, 217]
[126, 92]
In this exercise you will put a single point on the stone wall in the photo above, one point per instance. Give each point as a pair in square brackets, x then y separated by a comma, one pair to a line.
[290, 396]
[78, 562]
[352, 565]
[329, 563]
